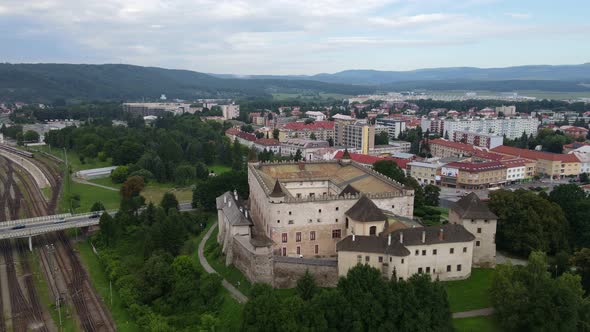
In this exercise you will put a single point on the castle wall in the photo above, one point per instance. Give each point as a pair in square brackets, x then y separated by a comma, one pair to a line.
[288, 270]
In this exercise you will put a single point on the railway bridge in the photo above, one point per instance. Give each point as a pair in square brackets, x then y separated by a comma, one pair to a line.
[28, 228]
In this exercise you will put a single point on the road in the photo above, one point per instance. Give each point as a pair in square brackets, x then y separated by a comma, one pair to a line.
[234, 292]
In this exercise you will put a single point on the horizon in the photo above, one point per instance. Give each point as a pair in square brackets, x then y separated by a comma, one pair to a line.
[302, 75]
[256, 37]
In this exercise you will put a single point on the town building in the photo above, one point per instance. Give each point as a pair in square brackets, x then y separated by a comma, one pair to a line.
[157, 109]
[425, 172]
[320, 130]
[392, 148]
[574, 132]
[316, 115]
[395, 126]
[483, 140]
[473, 175]
[307, 147]
[230, 111]
[510, 127]
[354, 134]
[506, 110]
[547, 164]
[443, 148]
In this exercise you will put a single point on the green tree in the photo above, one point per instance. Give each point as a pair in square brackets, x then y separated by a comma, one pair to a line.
[31, 136]
[275, 133]
[382, 138]
[431, 195]
[581, 260]
[238, 158]
[298, 155]
[97, 206]
[120, 174]
[312, 136]
[390, 169]
[169, 201]
[306, 286]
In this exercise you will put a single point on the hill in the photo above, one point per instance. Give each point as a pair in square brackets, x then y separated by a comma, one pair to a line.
[47, 82]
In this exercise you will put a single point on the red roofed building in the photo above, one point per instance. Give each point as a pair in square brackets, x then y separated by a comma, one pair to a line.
[368, 160]
[473, 175]
[575, 132]
[550, 164]
[322, 130]
[567, 148]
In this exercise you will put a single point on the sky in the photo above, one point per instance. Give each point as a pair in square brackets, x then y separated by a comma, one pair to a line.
[296, 36]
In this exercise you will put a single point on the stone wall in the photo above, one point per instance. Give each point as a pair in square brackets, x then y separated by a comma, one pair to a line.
[256, 266]
[287, 270]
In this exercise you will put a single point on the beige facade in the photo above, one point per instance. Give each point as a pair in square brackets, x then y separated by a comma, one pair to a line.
[475, 216]
[426, 173]
[309, 219]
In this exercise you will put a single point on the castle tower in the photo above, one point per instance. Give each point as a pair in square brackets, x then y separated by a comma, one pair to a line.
[477, 218]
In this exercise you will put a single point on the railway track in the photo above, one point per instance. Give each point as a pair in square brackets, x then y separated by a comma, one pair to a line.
[24, 317]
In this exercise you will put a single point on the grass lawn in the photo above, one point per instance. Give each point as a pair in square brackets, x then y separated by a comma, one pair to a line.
[89, 195]
[154, 191]
[106, 181]
[230, 273]
[472, 293]
[230, 313]
[100, 282]
[219, 169]
[476, 324]
[444, 212]
[74, 159]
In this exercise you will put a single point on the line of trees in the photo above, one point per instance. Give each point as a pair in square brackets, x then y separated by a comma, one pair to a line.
[362, 301]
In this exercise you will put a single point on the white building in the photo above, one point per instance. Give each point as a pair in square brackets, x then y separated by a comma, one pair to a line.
[395, 127]
[483, 140]
[316, 115]
[584, 161]
[516, 169]
[230, 111]
[307, 147]
[510, 127]
[506, 110]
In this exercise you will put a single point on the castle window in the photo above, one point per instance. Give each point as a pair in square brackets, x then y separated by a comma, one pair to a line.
[419, 270]
[373, 230]
[312, 195]
[458, 267]
[393, 206]
[390, 259]
[312, 235]
[464, 249]
[298, 250]
[486, 221]
[291, 222]
[472, 221]
[284, 237]
[479, 230]
[367, 258]
[278, 221]
[417, 252]
[336, 233]
[402, 260]
[423, 252]
[298, 237]
[448, 268]
[346, 222]
[336, 219]
[434, 251]
[359, 259]
[317, 249]
[380, 259]
[337, 208]
[477, 243]
[320, 210]
[298, 195]
[289, 212]
[452, 251]
[428, 269]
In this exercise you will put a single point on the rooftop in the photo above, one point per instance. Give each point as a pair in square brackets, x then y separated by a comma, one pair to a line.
[534, 155]
[316, 125]
[454, 145]
[366, 211]
[471, 207]
[476, 167]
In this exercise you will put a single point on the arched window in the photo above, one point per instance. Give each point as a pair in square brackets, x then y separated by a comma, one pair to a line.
[373, 230]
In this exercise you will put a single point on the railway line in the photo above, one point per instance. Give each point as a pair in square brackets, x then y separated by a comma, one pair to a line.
[21, 197]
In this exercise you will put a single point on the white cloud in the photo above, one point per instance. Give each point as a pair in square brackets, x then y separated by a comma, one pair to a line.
[412, 21]
[520, 16]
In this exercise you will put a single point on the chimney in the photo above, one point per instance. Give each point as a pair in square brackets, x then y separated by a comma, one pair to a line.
[224, 199]
[423, 236]
[246, 211]
[401, 237]
[241, 209]
[353, 237]
[441, 234]
[229, 204]
[236, 195]
[389, 239]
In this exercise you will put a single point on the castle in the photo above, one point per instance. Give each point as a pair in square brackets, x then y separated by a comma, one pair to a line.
[326, 217]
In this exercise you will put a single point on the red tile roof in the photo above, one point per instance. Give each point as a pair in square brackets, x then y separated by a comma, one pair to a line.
[488, 155]
[316, 125]
[515, 162]
[241, 134]
[534, 155]
[370, 160]
[476, 167]
[267, 141]
[451, 144]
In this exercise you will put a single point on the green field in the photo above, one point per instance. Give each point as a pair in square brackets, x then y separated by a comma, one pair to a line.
[100, 282]
[219, 169]
[472, 293]
[89, 195]
[303, 96]
[73, 158]
[476, 324]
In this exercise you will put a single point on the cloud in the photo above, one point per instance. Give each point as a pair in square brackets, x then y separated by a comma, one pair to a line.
[411, 21]
[520, 16]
